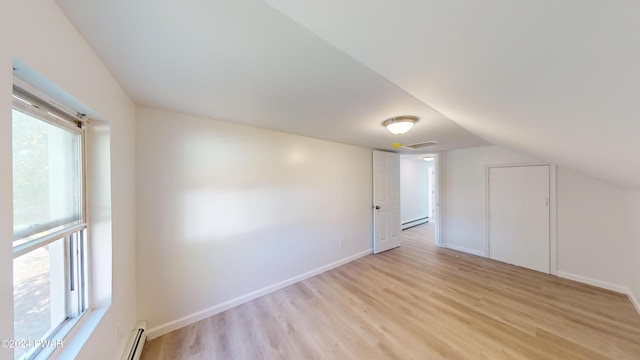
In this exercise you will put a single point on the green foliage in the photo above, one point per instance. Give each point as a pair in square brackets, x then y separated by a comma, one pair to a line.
[30, 169]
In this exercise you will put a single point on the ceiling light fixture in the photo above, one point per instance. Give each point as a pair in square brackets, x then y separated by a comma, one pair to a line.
[428, 158]
[400, 124]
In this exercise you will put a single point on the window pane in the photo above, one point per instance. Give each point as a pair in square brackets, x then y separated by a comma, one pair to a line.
[38, 292]
[46, 176]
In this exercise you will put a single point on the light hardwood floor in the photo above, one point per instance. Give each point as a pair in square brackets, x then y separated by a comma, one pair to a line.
[417, 302]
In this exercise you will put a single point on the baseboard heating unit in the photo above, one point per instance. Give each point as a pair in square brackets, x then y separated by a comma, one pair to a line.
[415, 222]
[138, 337]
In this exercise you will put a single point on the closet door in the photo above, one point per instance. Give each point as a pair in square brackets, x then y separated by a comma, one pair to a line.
[519, 216]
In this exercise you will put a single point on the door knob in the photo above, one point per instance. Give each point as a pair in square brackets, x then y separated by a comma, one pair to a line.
[377, 207]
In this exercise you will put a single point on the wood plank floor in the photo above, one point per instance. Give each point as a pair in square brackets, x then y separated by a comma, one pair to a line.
[417, 302]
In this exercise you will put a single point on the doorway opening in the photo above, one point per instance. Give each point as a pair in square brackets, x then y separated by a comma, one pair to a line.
[420, 192]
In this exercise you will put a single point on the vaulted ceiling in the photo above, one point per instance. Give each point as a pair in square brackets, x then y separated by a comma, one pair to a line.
[557, 80]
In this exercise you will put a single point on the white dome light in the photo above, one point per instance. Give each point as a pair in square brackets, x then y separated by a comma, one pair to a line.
[400, 124]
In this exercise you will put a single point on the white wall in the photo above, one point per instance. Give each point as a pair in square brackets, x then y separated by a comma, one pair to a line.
[226, 210]
[464, 191]
[414, 190]
[39, 34]
[632, 217]
[594, 234]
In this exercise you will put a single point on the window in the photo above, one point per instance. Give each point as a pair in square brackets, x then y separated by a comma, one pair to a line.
[50, 255]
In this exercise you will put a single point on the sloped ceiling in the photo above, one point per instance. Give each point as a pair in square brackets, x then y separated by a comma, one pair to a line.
[559, 80]
[243, 61]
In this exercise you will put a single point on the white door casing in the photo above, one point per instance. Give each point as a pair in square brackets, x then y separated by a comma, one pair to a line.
[432, 194]
[519, 203]
[386, 201]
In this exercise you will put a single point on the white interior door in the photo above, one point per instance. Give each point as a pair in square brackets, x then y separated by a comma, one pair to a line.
[519, 216]
[386, 201]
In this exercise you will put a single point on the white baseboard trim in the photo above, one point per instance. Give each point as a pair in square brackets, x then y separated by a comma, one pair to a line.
[602, 284]
[203, 314]
[594, 282]
[464, 250]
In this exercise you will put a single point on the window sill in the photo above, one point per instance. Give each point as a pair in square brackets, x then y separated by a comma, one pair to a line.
[77, 335]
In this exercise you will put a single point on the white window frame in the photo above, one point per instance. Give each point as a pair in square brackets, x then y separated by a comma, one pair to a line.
[74, 235]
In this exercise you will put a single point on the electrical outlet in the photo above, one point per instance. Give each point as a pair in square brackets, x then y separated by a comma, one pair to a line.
[341, 242]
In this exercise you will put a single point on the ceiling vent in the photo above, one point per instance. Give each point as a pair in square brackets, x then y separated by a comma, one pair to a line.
[423, 145]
